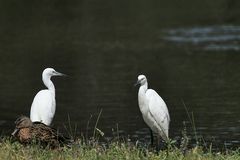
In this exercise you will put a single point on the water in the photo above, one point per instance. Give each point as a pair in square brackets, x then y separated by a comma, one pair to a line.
[216, 38]
[189, 55]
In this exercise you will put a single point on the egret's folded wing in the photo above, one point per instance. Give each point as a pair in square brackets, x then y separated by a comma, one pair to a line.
[42, 107]
[158, 110]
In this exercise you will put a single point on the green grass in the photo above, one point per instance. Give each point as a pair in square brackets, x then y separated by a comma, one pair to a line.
[115, 150]
[89, 149]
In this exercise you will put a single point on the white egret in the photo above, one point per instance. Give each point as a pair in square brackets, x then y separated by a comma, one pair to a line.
[154, 110]
[44, 103]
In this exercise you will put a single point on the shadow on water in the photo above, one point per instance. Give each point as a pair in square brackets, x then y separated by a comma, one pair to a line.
[187, 50]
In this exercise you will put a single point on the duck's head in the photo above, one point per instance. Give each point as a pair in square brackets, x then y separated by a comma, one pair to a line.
[22, 122]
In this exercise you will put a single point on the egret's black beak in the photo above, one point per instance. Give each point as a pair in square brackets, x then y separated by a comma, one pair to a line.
[59, 74]
[137, 83]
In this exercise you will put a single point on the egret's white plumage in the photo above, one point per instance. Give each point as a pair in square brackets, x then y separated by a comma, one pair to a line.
[44, 103]
[154, 109]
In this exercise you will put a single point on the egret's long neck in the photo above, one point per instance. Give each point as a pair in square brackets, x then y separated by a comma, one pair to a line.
[142, 101]
[48, 83]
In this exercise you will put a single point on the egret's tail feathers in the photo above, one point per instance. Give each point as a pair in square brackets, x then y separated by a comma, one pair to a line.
[164, 135]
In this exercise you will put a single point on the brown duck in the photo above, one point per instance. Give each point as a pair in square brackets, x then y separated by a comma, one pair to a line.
[27, 132]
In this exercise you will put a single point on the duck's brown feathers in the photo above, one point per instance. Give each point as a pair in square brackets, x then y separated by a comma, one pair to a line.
[28, 132]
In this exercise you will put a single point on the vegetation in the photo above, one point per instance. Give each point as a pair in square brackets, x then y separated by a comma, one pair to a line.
[115, 150]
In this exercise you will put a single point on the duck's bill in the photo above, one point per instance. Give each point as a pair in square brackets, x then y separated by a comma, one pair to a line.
[15, 131]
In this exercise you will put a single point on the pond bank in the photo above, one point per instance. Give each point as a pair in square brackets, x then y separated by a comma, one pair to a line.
[116, 150]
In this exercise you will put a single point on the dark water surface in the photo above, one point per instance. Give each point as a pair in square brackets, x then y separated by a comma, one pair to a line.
[188, 50]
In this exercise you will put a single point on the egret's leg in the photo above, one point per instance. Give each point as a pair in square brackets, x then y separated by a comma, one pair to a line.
[151, 133]
[158, 143]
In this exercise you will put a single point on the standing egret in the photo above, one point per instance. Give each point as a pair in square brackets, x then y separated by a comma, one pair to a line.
[44, 103]
[154, 110]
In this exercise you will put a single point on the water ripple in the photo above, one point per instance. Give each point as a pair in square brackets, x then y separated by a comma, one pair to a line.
[223, 38]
